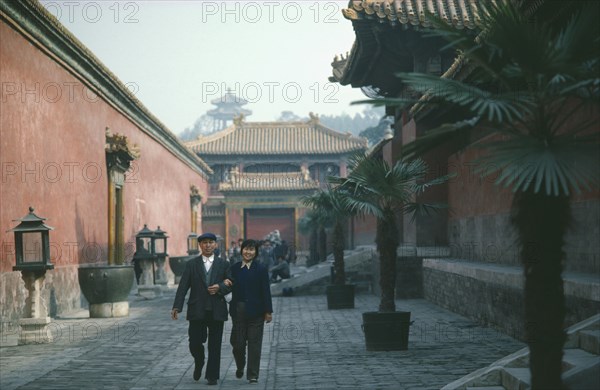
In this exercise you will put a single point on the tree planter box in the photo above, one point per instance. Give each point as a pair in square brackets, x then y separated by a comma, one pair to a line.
[106, 288]
[386, 331]
[340, 296]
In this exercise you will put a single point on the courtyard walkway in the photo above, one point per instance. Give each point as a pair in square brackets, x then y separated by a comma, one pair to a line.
[306, 347]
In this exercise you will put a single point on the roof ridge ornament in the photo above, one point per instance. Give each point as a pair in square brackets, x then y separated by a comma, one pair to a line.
[238, 120]
[314, 119]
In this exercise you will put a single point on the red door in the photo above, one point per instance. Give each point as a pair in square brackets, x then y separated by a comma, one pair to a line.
[260, 222]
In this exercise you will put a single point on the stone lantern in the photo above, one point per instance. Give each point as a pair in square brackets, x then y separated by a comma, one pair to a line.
[159, 243]
[32, 252]
[144, 258]
[192, 244]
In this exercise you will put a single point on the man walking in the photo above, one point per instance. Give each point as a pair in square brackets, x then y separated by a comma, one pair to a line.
[208, 277]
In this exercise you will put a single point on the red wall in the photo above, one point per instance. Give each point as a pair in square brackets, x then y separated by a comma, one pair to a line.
[52, 156]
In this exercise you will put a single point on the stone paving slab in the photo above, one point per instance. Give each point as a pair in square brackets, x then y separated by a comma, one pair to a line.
[306, 347]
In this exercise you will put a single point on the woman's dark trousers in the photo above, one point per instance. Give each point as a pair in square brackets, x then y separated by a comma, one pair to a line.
[247, 332]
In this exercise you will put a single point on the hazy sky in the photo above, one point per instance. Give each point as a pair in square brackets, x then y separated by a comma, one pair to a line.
[178, 55]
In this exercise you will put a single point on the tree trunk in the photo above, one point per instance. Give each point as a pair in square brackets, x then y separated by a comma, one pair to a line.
[387, 246]
[322, 244]
[313, 257]
[338, 253]
[541, 223]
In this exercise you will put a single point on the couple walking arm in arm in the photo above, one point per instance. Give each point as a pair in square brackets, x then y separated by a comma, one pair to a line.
[210, 278]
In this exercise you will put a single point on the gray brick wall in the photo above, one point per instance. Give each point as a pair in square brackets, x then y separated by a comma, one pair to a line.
[492, 304]
[492, 239]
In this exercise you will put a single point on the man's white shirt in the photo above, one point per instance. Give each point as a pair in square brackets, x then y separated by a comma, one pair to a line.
[208, 262]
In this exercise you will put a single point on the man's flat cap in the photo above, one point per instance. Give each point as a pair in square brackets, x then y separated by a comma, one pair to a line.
[207, 236]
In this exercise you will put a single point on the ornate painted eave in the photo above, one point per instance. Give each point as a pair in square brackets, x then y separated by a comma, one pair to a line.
[119, 152]
[368, 15]
[459, 13]
[268, 182]
[42, 29]
[277, 138]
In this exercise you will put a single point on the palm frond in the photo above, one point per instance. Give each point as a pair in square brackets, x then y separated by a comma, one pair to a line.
[557, 169]
[415, 209]
[493, 105]
[450, 132]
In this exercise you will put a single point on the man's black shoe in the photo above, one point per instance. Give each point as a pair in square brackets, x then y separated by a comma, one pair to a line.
[212, 381]
[239, 373]
[198, 369]
[253, 380]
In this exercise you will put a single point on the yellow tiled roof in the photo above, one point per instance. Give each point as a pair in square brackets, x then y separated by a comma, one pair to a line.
[278, 181]
[459, 13]
[277, 138]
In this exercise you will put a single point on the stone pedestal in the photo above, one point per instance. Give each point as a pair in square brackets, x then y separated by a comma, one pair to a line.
[147, 276]
[160, 275]
[150, 291]
[109, 309]
[34, 324]
[149, 287]
[35, 331]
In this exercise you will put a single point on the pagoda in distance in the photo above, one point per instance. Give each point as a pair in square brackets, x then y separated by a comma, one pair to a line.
[228, 107]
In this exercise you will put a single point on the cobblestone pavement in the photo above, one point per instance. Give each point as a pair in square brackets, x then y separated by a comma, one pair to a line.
[306, 347]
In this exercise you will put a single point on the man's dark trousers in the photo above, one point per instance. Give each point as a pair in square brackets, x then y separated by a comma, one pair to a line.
[206, 313]
[250, 331]
[198, 332]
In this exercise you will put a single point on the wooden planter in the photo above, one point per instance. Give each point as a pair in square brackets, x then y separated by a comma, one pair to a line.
[386, 331]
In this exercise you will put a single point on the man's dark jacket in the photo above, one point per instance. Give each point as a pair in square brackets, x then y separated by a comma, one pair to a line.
[255, 288]
[194, 277]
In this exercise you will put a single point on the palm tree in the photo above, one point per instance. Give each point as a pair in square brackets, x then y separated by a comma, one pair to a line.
[309, 224]
[534, 84]
[317, 224]
[327, 203]
[373, 187]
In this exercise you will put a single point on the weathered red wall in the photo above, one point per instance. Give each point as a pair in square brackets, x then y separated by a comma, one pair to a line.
[52, 157]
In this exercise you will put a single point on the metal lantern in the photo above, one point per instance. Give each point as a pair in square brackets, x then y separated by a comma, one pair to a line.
[159, 242]
[192, 244]
[143, 244]
[32, 243]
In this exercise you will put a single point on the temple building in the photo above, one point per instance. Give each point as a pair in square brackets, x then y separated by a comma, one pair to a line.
[263, 169]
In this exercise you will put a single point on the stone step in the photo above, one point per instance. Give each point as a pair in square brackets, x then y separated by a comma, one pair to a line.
[589, 340]
[486, 388]
[582, 369]
[313, 279]
[516, 378]
[423, 251]
[581, 364]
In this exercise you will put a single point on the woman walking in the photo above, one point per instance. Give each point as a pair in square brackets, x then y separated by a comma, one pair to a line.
[250, 308]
